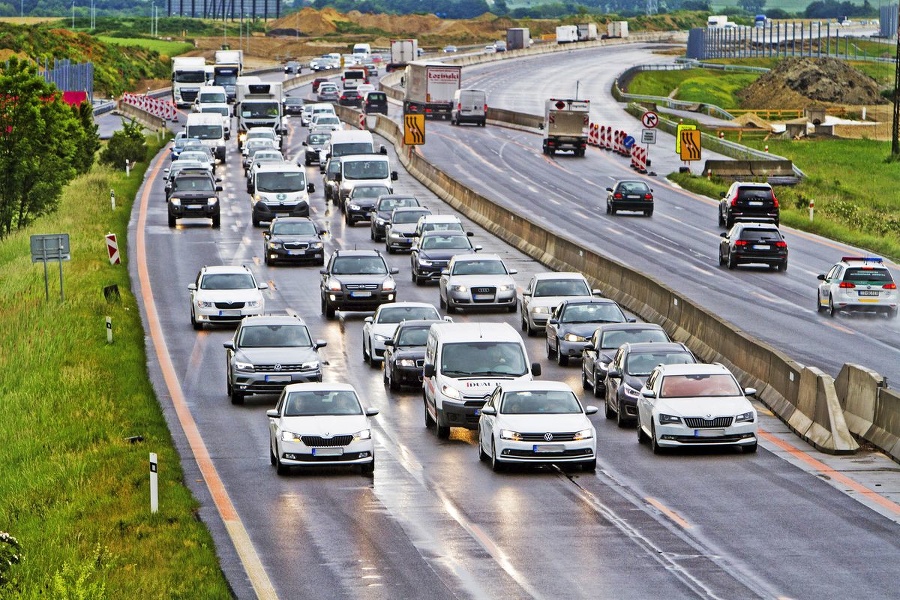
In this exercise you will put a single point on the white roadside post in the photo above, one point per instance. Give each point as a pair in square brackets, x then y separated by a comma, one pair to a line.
[127, 168]
[812, 206]
[154, 486]
[112, 199]
[109, 330]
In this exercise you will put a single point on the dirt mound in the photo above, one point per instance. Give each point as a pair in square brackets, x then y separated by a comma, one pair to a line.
[801, 82]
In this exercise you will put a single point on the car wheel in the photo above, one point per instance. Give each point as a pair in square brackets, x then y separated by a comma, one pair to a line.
[482, 455]
[237, 397]
[831, 309]
[414, 277]
[273, 459]
[654, 442]
[256, 222]
[819, 307]
[496, 465]
[442, 431]
[550, 352]
[782, 266]
[217, 221]
[585, 384]
[267, 259]
[598, 391]
[612, 209]
[394, 382]
[721, 258]
[608, 208]
[372, 235]
[648, 213]
[329, 312]
[368, 468]
[281, 468]
[562, 359]
[307, 162]
[621, 421]
[367, 356]
[892, 314]
[197, 325]
[640, 432]
[389, 248]
[172, 221]
[729, 222]
[428, 420]
[610, 414]
[721, 219]
[732, 261]
[441, 302]
[751, 449]
[589, 466]
[373, 360]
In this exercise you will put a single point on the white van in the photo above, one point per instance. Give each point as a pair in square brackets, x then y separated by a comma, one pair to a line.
[209, 129]
[350, 141]
[279, 189]
[464, 362]
[369, 169]
[362, 49]
[469, 106]
[209, 94]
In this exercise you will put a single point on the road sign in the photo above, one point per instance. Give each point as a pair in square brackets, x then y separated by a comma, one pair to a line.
[112, 248]
[628, 142]
[690, 145]
[650, 119]
[678, 131]
[54, 246]
[648, 136]
[414, 129]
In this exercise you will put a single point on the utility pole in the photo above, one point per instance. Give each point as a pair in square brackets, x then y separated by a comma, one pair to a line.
[895, 133]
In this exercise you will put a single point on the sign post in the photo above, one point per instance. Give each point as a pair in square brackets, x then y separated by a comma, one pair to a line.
[47, 247]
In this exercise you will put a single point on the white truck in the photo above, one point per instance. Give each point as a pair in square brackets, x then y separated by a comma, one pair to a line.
[518, 38]
[717, 21]
[566, 124]
[617, 29]
[566, 34]
[188, 74]
[259, 104]
[229, 65]
[403, 52]
[587, 32]
[430, 87]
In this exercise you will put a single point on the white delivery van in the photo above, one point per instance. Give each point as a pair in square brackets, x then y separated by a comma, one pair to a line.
[351, 141]
[369, 169]
[209, 94]
[209, 129]
[469, 106]
[464, 362]
[279, 189]
[362, 49]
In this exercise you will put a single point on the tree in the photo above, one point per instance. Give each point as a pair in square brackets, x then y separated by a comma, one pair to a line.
[37, 146]
[126, 144]
[88, 142]
[753, 7]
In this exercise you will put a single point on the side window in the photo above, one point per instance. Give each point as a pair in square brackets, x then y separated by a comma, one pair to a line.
[494, 400]
[833, 273]
[595, 341]
[557, 312]
[619, 359]
[280, 403]
[651, 381]
[530, 288]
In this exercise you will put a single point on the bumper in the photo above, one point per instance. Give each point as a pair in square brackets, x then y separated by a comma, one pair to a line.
[282, 254]
[471, 118]
[265, 212]
[272, 383]
[462, 414]
[360, 214]
[754, 216]
[756, 257]
[545, 453]
[216, 315]
[399, 243]
[680, 436]
[574, 349]
[432, 272]
[193, 211]
[411, 376]
[299, 454]
[344, 301]
[632, 205]
[312, 157]
[500, 299]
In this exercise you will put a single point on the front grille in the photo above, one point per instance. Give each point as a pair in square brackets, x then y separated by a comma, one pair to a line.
[281, 368]
[539, 437]
[296, 245]
[362, 286]
[227, 305]
[548, 456]
[484, 290]
[701, 423]
[320, 442]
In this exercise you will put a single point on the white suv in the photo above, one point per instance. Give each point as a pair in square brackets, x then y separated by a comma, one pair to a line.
[857, 283]
[225, 294]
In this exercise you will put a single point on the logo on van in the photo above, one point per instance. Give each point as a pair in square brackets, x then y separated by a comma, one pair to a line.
[472, 384]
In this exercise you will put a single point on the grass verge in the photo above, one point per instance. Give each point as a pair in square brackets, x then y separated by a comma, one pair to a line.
[164, 47]
[74, 490]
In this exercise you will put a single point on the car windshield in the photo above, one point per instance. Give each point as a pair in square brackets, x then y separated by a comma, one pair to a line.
[219, 110]
[442, 227]
[228, 281]
[267, 156]
[707, 385]
[365, 169]
[389, 204]
[368, 191]
[613, 339]
[479, 267]
[274, 336]
[359, 265]
[544, 402]
[318, 139]
[213, 97]
[321, 402]
[408, 216]
[260, 109]
[396, 314]
[445, 242]
[412, 336]
[593, 313]
[193, 156]
[294, 228]
[863, 275]
[281, 182]
[483, 359]
[255, 134]
[194, 184]
[633, 187]
[561, 287]
[639, 364]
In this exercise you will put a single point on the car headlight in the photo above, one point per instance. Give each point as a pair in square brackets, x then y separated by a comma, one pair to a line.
[584, 434]
[254, 303]
[747, 417]
[334, 285]
[540, 310]
[274, 245]
[389, 285]
[451, 392]
[506, 287]
[243, 366]
[631, 392]
[571, 337]
[175, 201]
[406, 362]
[354, 206]
[316, 245]
[667, 419]
[212, 201]
[290, 436]
[309, 366]
[509, 434]
[459, 288]
[380, 221]
[424, 262]
[365, 434]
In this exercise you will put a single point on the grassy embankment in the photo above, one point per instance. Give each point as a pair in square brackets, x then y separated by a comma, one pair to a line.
[849, 180]
[74, 490]
[163, 47]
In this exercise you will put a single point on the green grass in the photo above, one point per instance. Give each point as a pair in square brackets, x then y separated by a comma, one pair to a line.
[704, 86]
[164, 47]
[73, 491]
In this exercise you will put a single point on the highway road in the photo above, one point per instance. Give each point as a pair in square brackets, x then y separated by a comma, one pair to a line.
[433, 522]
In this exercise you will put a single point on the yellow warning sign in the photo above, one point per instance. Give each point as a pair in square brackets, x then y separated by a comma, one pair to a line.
[690, 144]
[681, 127]
[413, 129]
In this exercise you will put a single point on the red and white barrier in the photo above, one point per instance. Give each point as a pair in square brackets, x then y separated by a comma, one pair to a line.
[593, 134]
[639, 159]
[164, 109]
[362, 120]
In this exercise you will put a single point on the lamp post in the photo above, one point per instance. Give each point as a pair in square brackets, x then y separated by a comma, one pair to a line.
[895, 130]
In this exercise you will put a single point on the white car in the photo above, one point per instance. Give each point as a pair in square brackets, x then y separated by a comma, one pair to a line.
[383, 323]
[477, 281]
[317, 424]
[253, 133]
[696, 405]
[858, 284]
[536, 422]
[326, 122]
[544, 293]
[225, 294]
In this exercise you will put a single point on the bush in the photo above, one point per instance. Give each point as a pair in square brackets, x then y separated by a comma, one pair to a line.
[125, 144]
[10, 554]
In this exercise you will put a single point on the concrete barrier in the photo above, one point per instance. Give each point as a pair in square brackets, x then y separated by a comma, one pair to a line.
[871, 409]
[143, 117]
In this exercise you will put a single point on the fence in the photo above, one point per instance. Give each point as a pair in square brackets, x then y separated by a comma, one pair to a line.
[70, 77]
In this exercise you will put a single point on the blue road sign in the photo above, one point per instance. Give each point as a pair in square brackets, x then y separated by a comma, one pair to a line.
[628, 142]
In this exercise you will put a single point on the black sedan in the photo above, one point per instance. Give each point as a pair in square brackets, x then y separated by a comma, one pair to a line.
[598, 355]
[383, 209]
[629, 196]
[350, 98]
[404, 354]
[293, 239]
[293, 105]
[748, 243]
[433, 251]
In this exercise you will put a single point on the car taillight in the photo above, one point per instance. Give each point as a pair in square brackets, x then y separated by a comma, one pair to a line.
[741, 243]
[648, 196]
[889, 286]
[781, 244]
[617, 196]
[734, 201]
[846, 285]
[459, 107]
[774, 201]
[485, 108]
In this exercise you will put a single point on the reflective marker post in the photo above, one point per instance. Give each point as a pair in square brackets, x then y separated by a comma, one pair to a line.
[109, 331]
[154, 486]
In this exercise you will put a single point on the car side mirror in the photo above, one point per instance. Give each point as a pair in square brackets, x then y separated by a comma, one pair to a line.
[553, 321]
[371, 412]
[821, 277]
[470, 233]
[722, 195]
[272, 413]
[750, 391]
[166, 170]
[394, 270]
[648, 393]
[512, 271]
[526, 294]
[536, 369]
[323, 271]
[310, 187]
[631, 320]
[489, 410]
[724, 234]
[382, 150]
[192, 287]
[267, 234]
[613, 372]
[262, 286]
[389, 343]
[393, 175]
[428, 370]
[476, 248]
[590, 410]
[319, 344]
[369, 320]
[229, 345]
[303, 144]
[596, 292]
[609, 189]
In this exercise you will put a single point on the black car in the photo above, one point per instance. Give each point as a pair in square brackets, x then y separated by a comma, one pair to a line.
[194, 195]
[748, 201]
[404, 354]
[313, 146]
[350, 98]
[572, 322]
[630, 196]
[359, 204]
[375, 103]
[293, 239]
[760, 243]
[356, 280]
[605, 341]
[629, 370]
[433, 251]
[332, 170]
[292, 105]
[174, 171]
[383, 209]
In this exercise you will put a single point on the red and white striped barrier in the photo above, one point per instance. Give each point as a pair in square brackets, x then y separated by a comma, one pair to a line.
[604, 136]
[164, 109]
[639, 159]
[593, 135]
[362, 120]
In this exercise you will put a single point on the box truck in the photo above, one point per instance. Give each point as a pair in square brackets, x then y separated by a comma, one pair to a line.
[403, 52]
[188, 74]
[518, 38]
[587, 32]
[566, 34]
[430, 87]
[566, 125]
[259, 104]
[228, 66]
[617, 29]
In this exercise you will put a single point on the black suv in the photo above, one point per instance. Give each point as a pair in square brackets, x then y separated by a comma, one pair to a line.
[748, 201]
[194, 195]
[330, 183]
[383, 209]
[356, 280]
[753, 243]
[375, 103]
[293, 239]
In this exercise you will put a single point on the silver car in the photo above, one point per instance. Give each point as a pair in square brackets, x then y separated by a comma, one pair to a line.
[477, 281]
[544, 293]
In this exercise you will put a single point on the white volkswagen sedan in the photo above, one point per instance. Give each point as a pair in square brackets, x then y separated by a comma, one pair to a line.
[381, 326]
[320, 424]
[477, 281]
[536, 422]
[696, 405]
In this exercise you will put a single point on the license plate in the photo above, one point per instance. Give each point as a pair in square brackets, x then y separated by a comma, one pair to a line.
[231, 312]
[708, 433]
[547, 448]
[360, 294]
[278, 378]
[868, 292]
[327, 451]
[483, 297]
[296, 252]
[633, 197]
[762, 247]
[194, 206]
[754, 203]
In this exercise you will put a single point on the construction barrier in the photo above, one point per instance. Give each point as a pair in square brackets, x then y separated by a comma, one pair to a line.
[606, 137]
[593, 135]
[639, 159]
[164, 109]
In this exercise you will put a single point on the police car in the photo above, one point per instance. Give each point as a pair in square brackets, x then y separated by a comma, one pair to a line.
[857, 283]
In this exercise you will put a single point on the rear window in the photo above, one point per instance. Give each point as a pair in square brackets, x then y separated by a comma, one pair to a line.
[376, 97]
[868, 275]
[755, 193]
[760, 234]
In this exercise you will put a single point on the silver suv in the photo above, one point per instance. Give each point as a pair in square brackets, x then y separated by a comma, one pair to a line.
[269, 352]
